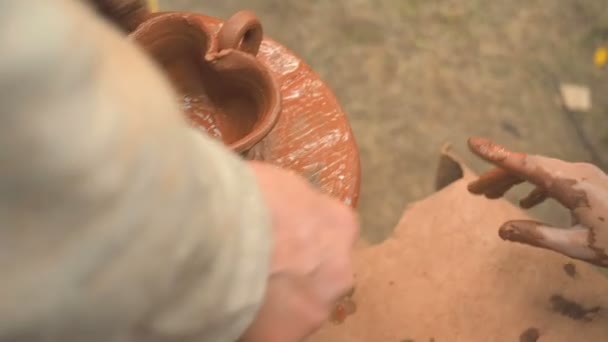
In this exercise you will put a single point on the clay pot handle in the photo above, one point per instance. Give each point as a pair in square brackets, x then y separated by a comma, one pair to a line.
[243, 31]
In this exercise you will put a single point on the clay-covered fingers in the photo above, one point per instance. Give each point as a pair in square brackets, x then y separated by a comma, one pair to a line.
[573, 242]
[535, 197]
[494, 183]
[515, 163]
[554, 177]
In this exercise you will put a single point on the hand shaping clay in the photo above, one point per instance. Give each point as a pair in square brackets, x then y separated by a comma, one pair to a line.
[445, 275]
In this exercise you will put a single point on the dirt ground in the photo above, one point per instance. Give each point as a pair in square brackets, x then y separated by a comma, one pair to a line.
[413, 74]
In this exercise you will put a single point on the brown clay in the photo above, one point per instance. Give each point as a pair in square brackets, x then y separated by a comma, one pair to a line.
[312, 136]
[445, 275]
[224, 90]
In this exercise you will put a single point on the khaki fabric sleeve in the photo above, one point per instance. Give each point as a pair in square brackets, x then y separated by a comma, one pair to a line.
[117, 221]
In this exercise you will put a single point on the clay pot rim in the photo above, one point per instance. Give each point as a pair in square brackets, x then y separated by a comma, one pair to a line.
[212, 54]
[270, 118]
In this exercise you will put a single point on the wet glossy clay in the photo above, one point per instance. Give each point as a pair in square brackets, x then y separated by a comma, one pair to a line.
[311, 136]
[225, 91]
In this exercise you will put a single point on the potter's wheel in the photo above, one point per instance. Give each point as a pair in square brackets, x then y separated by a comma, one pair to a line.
[312, 136]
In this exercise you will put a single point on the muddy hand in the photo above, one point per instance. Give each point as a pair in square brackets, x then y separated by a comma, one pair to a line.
[580, 187]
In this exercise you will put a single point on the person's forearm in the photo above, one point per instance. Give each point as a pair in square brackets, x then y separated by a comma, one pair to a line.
[117, 221]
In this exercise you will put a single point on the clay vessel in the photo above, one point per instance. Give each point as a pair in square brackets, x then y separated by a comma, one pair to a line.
[224, 89]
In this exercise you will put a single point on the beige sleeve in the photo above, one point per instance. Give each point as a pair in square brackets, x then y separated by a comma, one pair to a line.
[117, 221]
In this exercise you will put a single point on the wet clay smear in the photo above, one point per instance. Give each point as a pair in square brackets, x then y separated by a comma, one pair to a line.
[573, 309]
[529, 335]
[343, 309]
[570, 270]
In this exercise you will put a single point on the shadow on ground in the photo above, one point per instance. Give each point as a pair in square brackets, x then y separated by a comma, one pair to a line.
[413, 74]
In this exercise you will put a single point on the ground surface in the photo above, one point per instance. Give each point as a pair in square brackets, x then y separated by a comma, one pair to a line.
[413, 74]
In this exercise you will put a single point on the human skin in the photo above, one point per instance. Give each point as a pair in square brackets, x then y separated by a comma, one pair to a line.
[580, 187]
[313, 236]
[311, 261]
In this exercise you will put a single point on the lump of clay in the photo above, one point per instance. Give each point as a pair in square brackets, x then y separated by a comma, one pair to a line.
[445, 275]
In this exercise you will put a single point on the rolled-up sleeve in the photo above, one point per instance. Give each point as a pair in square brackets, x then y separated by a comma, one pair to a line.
[118, 222]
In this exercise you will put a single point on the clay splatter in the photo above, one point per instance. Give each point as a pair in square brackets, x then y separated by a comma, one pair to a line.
[570, 269]
[529, 335]
[573, 309]
[345, 308]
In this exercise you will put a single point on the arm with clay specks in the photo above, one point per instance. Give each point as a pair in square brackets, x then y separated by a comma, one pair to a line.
[117, 222]
[580, 187]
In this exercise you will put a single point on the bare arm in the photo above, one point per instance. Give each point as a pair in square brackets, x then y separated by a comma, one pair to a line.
[117, 222]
